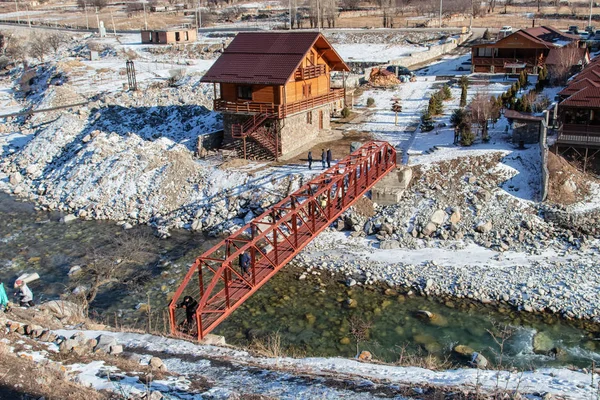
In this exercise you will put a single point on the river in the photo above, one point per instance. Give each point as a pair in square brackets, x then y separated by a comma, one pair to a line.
[319, 316]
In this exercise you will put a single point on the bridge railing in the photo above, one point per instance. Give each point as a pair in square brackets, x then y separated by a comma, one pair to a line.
[216, 280]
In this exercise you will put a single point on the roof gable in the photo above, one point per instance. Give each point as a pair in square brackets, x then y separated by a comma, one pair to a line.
[269, 58]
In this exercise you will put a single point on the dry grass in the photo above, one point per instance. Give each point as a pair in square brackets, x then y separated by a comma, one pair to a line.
[427, 361]
[268, 347]
[560, 172]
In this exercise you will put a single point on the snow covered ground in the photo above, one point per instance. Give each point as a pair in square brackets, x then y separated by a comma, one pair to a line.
[373, 52]
[286, 378]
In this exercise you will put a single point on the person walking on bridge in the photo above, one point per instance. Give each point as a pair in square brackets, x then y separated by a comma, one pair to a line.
[323, 158]
[245, 263]
[310, 159]
[329, 158]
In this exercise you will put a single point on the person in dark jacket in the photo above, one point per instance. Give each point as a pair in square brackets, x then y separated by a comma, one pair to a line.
[323, 158]
[245, 263]
[310, 160]
[329, 158]
[190, 305]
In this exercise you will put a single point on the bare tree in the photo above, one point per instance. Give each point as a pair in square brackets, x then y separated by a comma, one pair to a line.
[359, 329]
[55, 40]
[350, 4]
[119, 260]
[482, 109]
[38, 47]
[568, 59]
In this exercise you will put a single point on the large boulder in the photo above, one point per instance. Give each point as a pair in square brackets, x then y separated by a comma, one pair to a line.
[438, 217]
[104, 344]
[484, 227]
[429, 229]
[431, 318]
[62, 309]
[455, 217]
[463, 350]
[542, 344]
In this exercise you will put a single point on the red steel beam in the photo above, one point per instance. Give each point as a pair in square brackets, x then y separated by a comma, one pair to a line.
[287, 227]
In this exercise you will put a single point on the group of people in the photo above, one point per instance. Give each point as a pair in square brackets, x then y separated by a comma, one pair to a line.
[24, 295]
[326, 158]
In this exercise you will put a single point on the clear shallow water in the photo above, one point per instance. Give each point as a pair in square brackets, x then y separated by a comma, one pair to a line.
[313, 318]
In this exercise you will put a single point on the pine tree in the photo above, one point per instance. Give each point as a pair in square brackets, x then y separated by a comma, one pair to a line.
[446, 92]
[463, 96]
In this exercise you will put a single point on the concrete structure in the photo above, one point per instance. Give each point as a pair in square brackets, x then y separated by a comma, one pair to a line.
[275, 91]
[169, 36]
[389, 189]
[526, 127]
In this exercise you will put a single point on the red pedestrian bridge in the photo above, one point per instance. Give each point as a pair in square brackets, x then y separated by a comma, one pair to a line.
[272, 239]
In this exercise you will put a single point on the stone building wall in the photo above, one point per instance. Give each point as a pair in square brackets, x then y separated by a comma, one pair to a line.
[527, 132]
[298, 132]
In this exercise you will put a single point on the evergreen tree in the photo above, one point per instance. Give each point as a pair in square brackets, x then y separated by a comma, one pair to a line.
[446, 92]
[463, 96]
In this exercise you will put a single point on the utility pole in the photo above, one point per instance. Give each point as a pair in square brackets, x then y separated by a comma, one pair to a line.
[145, 21]
[318, 16]
[97, 20]
[590, 21]
[290, 15]
[28, 19]
[471, 19]
[441, 13]
[113, 22]
[17, 9]
[87, 20]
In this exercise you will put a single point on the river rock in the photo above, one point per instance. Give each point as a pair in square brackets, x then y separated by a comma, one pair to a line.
[15, 178]
[62, 309]
[68, 218]
[463, 350]
[438, 217]
[157, 363]
[542, 344]
[429, 229]
[484, 227]
[365, 356]
[389, 245]
[104, 344]
[455, 217]
[478, 360]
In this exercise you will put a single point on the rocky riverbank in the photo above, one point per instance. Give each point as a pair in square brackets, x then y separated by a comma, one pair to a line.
[458, 233]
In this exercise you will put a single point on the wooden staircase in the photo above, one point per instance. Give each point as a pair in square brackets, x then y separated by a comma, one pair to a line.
[254, 128]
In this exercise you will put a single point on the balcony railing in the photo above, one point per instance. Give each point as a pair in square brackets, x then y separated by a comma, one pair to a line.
[278, 110]
[576, 134]
[500, 62]
[310, 72]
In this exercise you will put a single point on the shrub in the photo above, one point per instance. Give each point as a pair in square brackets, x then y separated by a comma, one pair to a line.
[463, 96]
[4, 61]
[345, 112]
[467, 137]
[464, 81]
[446, 92]
[370, 102]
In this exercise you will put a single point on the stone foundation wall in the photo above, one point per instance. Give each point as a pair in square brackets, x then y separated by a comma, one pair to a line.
[298, 132]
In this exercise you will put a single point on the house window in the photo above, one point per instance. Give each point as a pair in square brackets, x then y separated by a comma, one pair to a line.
[150, 36]
[307, 90]
[311, 58]
[486, 52]
[309, 117]
[244, 92]
[187, 36]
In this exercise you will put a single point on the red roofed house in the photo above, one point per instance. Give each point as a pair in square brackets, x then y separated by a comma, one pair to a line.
[525, 49]
[579, 112]
[274, 90]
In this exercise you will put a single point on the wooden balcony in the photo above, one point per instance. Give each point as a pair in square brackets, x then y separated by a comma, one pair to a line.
[310, 72]
[500, 62]
[278, 110]
[579, 135]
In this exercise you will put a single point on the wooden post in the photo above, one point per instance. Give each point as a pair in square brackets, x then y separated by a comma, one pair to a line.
[244, 139]
[344, 80]
[585, 158]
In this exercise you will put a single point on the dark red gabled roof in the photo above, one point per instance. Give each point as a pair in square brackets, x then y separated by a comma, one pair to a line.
[269, 58]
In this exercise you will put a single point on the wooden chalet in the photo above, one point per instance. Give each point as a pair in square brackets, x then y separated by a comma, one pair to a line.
[525, 49]
[579, 113]
[274, 89]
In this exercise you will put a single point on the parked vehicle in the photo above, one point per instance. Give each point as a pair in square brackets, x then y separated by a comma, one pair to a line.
[464, 66]
[400, 70]
[505, 31]
[574, 29]
[590, 29]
